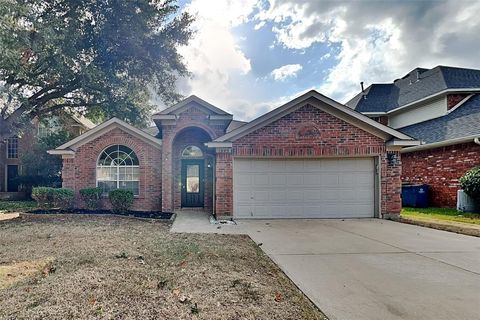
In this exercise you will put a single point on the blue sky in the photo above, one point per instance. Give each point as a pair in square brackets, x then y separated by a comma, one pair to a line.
[250, 56]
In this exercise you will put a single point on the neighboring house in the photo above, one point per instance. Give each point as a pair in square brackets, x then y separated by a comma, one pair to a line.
[13, 148]
[312, 157]
[440, 107]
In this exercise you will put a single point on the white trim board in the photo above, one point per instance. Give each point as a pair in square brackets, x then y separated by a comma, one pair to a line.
[192, 98]
[440, 144]
[99, 130]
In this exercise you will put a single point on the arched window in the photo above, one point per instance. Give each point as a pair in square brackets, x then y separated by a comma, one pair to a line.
[117, 168]
[192, 152]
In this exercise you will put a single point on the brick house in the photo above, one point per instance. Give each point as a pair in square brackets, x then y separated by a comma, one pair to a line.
[440, 107]
[13, 148]
[311, 157]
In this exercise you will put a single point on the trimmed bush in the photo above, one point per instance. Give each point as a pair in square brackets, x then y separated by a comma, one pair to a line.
[470, 182]
[92, 197]
[63, 198]
[121, 200]
[47, 197]
[43, 196]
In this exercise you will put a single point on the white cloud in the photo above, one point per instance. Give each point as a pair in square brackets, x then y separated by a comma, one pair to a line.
[286, 71]
[214, 56]
[377, 41]
[369, 41]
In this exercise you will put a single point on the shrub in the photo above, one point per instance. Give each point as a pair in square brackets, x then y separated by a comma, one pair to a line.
[121, 200]
[47, 197]
[63, 198]
[470, 182]
[91, 197]
[43, 196]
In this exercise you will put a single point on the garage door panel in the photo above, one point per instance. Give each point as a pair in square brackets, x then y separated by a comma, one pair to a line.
[243, 180]
[295, 180]
[293, 195]
[322, 188]
[260, 179]
[243, 196]
[278, 195]
[326, 179]
[261, 195]
[278, 179]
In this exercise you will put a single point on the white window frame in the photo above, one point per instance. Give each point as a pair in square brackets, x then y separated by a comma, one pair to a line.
[118, 181]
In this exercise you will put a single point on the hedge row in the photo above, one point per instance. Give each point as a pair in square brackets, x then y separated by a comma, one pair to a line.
[63, 198]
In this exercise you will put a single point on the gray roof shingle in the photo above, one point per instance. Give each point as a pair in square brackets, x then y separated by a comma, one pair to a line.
[417, 84]
[462, 122]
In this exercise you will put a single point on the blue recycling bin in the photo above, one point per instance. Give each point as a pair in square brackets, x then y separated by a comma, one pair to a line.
[415, 195]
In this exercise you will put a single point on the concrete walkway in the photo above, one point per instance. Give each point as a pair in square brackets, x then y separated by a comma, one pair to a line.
[8, 216]
[368, 268]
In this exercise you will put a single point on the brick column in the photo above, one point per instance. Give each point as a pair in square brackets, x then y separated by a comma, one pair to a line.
[68, 173]
[224, 183]
[167, 174]
[392, 185]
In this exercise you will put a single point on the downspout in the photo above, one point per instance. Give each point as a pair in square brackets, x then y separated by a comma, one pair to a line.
[477, 140]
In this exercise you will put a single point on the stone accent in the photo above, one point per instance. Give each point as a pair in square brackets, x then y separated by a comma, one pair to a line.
[336, 138]
[441, 168]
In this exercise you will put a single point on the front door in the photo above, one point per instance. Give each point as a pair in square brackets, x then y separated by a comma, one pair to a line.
[192, 183]
[12, 175]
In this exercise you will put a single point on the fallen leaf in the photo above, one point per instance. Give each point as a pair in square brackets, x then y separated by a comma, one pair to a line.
[176, 292]
[278, 297]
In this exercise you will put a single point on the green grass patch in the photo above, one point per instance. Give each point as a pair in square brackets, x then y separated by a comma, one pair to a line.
[445, 214]
[10, 206]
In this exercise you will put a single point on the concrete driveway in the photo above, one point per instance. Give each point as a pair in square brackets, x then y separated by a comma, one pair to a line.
[374, 269]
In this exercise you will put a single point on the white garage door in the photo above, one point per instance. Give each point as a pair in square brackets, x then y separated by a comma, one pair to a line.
[319, 188]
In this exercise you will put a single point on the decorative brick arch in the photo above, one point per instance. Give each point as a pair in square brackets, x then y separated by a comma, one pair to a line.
[120, 140]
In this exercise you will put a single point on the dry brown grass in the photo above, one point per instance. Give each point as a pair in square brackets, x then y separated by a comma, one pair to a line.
[111, 267]
[19, 271]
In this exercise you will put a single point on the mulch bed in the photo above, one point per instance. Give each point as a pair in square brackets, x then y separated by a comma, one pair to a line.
[137, 214]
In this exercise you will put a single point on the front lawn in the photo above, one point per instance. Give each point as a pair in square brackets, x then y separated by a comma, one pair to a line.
[443, 214]
[112, 267]
[10, 206]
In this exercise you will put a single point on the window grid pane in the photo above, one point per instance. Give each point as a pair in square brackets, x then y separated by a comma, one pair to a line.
[118, 168]
[12, 148]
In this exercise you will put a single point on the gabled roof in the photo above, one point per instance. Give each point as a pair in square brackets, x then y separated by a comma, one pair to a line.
[417, 85]
[336, 108]
[235, 124]
[85, 122]
[461, 122]
[72, 145]
[175, 108]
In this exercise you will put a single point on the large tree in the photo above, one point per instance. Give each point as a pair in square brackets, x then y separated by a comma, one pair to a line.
[102, 58]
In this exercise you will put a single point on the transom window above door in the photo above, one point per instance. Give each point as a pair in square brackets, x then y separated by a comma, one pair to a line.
[118, 168]
[192, 152]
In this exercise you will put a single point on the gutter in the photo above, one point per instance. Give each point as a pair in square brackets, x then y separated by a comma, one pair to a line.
[446, 91]
[446, 143]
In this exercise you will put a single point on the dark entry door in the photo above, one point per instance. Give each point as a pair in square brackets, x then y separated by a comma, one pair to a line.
[192, 183]
[12, 174]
